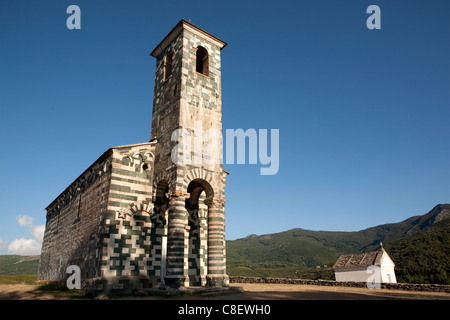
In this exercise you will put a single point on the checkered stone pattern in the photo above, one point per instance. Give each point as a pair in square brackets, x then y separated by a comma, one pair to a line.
[128, 250]
[196, 238]
[133, 247]
[203, 247]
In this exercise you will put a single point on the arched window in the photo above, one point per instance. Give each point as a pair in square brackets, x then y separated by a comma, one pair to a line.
[168, 60]
[202, 62]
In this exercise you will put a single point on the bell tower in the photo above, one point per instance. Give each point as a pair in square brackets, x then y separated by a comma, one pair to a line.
[189, 180]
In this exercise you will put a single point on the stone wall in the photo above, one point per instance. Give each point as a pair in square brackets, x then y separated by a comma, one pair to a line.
[393, 286]
[74, 225]
[102, 223]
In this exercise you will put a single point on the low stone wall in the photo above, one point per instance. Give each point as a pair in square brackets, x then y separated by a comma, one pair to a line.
[394, 286]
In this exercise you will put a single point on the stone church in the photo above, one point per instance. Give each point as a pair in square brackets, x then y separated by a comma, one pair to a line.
[136, 218]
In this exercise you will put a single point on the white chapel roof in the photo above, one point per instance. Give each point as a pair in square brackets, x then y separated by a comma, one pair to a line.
[361, 260]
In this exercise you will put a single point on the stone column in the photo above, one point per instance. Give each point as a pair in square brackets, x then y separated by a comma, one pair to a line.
[203, 253]
[176, 235]
[216, 243]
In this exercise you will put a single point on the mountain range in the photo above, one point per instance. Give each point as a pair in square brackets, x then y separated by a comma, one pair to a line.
[419, 246]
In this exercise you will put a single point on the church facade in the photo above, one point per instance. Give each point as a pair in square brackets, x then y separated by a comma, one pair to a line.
[153, 213]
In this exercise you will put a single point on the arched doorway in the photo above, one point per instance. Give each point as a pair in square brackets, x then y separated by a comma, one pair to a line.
[199, 190]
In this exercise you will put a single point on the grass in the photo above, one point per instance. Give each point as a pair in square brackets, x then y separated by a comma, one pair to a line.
[64, 291]
[18, 279]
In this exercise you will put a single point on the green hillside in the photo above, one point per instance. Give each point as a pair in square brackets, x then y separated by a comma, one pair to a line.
[18, 265]
[423, 257]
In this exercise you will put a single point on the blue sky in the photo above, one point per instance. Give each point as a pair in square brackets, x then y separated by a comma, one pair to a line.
[363, 114]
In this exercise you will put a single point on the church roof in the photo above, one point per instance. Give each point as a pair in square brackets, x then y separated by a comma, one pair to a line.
[361, 260]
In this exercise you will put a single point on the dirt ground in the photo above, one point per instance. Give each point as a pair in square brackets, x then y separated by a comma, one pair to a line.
[251, 292]
[311, 292]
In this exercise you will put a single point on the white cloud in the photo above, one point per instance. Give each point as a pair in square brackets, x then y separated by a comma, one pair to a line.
[24, 220]
[27, 246]
[24, 246]
[38, 232]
